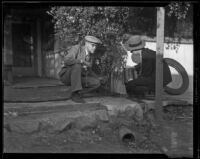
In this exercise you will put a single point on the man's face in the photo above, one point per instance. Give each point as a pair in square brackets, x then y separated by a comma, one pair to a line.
[136, 57]
[91, 47]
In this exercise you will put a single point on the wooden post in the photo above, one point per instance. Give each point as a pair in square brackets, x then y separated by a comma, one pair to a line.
[57, 59]
[7, 49]
[39, 51]
[159, 62]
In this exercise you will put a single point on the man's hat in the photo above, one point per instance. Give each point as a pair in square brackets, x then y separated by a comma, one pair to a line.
[134, 43]
[92, 39]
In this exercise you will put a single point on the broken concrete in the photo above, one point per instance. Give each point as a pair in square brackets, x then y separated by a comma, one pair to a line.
[59, 116]
[24, 126]
[135, 113]
[54, 120]
[116, 105]
[84, 123]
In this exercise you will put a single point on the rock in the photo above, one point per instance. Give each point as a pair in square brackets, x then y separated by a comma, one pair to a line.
[55, 124]
[84, 123]
[139, 137]
[25, 126]
[125, 122]
[5, 131]
[6, 127]
[62, 125]
[104, 129]
[45, 124]
[151, 118]
[135, 112]
[102, 115]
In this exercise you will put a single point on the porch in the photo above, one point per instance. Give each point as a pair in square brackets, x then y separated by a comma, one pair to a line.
[32, 89]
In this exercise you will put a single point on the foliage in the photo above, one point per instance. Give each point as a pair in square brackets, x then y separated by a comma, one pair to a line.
[76, 22]
[179, 9]
[73, 23]
[178, 12]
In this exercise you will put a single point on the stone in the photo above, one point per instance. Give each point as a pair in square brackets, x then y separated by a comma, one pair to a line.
[45, 124]
[56, 122]
[139, 137]
[84, 123]
[104, 129]
[135, 112]
[24, 126]
[62, 125]
[151, 117]
[102, 115]
[126, 122]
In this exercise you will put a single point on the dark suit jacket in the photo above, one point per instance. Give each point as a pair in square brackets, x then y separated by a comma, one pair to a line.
[149, 67]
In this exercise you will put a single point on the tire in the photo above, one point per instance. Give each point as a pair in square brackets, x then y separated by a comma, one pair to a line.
[180, 69]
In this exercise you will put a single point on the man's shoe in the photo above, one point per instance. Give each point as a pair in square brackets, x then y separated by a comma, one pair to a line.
[77, 98]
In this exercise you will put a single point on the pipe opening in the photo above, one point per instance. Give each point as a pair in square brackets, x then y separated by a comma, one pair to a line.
[128, 138]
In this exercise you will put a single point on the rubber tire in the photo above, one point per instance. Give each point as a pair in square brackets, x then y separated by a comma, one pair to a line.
[180, 69]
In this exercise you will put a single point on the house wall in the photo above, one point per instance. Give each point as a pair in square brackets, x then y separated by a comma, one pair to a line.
[52, 61]
[22, 17]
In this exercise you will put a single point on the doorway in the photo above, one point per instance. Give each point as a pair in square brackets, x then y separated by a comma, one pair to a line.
[23, 49]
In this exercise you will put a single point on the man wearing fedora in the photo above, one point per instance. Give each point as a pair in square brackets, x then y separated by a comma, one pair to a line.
[77, 71]
[146, 67]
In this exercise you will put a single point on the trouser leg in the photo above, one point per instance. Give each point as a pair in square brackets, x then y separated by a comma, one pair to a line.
[139, 86]
[76, 84]
[72, 77]
[90, 83]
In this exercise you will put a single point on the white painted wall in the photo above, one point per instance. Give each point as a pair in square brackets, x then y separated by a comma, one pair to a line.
[184, 55]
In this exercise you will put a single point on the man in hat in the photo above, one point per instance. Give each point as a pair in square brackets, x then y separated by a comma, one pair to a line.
[146, 67]
[77, 71]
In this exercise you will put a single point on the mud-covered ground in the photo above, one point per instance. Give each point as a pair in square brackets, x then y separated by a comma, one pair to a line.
[175, 138]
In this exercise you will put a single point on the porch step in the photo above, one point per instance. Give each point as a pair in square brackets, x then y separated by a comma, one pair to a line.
[24, 83]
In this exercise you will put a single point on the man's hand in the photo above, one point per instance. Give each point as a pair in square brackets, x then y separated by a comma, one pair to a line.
[85, 67]
[85, 63]
[103, 79]
[88, 64]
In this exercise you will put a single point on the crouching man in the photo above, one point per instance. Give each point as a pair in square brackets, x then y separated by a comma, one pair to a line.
[146, 67]
[77, 71]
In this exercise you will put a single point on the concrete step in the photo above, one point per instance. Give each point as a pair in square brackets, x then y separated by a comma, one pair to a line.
[53, 119]
[23, 83]
[59, 116]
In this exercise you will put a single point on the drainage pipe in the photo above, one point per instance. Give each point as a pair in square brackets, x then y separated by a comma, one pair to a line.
[126, 135]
